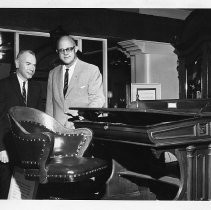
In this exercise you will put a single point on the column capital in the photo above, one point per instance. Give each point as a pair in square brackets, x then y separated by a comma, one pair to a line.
[130, 47]
[134, 47]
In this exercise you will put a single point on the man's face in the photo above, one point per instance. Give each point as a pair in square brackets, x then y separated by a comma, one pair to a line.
[67, 51]
[26, 65]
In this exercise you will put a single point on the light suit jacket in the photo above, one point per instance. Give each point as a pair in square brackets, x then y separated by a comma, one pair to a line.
[85, 90]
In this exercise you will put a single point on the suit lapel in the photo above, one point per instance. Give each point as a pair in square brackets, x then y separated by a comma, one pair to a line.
[16, 88]
[30, 94]
[59, 83]
[73, 80]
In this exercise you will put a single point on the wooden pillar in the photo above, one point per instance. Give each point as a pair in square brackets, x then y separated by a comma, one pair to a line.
[209, 171]
[190, 170]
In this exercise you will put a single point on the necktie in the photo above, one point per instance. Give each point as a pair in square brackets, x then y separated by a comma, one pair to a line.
[65, 81]
[24, 92]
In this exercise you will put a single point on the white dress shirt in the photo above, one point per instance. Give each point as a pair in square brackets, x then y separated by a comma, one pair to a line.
[70, 72]
[21, 80]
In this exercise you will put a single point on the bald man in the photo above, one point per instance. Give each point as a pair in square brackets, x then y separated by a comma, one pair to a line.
[15, 90]
[73, 84]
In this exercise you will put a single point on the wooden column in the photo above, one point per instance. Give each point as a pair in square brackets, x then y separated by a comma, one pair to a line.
[190, 168]
[209, 171]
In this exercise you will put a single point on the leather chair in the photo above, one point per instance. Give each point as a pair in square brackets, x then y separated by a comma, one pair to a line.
[51, 153]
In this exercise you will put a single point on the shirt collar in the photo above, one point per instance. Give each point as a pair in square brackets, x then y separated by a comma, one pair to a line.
[72, 67]
[20, 79]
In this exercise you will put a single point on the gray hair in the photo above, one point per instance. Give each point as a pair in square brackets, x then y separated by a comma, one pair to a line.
[25, 51]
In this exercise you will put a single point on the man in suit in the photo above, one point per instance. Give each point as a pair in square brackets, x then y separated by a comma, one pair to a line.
[74, 83]
[15, 90]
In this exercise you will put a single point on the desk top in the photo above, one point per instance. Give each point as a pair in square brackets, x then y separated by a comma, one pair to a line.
[149, 127]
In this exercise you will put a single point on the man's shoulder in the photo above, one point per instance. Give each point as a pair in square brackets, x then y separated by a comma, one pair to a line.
[35, 83]
[87, 65]
[55, 69]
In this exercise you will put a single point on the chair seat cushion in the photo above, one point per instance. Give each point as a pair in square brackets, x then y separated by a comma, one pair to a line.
[71, 169]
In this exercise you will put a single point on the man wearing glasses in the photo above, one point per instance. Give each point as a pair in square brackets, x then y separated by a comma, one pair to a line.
[73, 84]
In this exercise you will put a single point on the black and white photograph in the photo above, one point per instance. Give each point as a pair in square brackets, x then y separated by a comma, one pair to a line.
[105, 104]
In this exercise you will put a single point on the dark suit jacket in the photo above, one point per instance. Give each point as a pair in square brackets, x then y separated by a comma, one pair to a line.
[10, 95]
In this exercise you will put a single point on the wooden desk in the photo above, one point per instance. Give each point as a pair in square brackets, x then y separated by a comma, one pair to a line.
[137, 140]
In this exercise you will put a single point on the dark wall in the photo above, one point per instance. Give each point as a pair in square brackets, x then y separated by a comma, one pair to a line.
[102, 23]
[196, 31]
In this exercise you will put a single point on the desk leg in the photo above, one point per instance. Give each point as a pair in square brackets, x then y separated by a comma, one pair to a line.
[190, 168]
[209, 171]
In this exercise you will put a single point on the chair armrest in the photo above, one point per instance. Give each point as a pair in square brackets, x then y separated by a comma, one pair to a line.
[44, 158]
[72, 144]
[33, 151]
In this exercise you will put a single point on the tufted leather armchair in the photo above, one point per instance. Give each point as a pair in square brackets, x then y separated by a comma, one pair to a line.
[49, 152]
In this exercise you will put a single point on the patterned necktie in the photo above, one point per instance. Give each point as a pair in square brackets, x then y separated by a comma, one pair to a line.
[24, 92]
[66, 82]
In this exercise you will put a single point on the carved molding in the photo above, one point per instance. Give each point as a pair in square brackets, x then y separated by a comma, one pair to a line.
[130, 47]
[134, 47]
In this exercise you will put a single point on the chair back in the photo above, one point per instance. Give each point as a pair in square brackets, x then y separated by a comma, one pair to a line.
[48, 152]
[68, 142]
[32, 149]
[39, 119]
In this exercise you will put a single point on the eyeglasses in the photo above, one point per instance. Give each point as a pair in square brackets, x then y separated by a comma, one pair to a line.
[68, 50]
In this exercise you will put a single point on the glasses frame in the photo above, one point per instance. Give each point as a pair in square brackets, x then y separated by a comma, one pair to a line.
[68, 50]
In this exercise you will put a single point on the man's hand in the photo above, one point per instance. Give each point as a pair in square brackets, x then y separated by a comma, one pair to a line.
[4, 157]
[69, 125]
[73, 115]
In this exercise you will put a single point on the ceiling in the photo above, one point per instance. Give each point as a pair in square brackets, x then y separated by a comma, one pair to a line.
[180, 14]
[147, 24]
